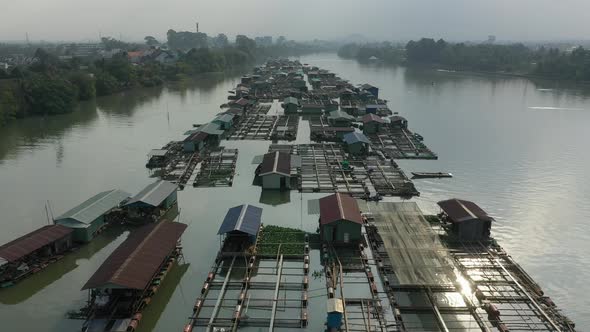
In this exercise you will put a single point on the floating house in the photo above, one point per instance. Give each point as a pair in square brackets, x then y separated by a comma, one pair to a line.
[213, 131]
[372, 89]
[194, 142]
[357, 143]
[151, 203]
[398, 122]
[240, 227]
[275, 171]
[467, 220]
[88, 218]
[372, 123]
[291, 105]
[157, 158]
[31, 252]
[224, 121]
[340, 119]
[340, 219]
[241, 103]
[124, 284]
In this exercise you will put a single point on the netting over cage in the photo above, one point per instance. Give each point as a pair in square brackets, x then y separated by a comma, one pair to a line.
[415, 252]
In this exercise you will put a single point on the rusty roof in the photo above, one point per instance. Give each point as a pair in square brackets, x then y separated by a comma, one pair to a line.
[339, 207]
[372, 118]
[276, 163]
[459, 210]
[134, 263]
[32, 241]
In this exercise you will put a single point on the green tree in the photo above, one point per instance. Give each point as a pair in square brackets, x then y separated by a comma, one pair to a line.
[106, 84]
[8, 105]
[84, 82]
[50, 96]
[151, 41]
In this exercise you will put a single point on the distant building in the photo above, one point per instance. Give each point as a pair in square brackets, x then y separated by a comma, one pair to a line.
[240, 227]
[357, 143]
[467, 220]
[88, 218]
[275, 171]
[340, 119]
[398, 122]
[372, 89]
[372, 123]
[291, 105]
[153, 201]
[340, 219]
[224, 121]
[263, 41]
[194, 142]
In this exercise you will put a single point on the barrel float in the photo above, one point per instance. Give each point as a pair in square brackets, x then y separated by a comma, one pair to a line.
[205, 287]
[493, 312]
[304, 299]
[306, 259]
[242, 297]
[398, 314]
[188, 328]
[132, 326]
[330, 292]
[307, 248]
[236, 316]
[304, 317]
[137, 316]
[306, 268]
[252, 259]
[246, 282]
[479, 294]
[210, 276]
[370, 276]
[305, 282]
[373, 288]
[198, 305]
[548, 301]
[503, 328]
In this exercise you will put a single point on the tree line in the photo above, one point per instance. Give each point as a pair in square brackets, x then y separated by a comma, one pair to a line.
[52, 86]
[512, 58]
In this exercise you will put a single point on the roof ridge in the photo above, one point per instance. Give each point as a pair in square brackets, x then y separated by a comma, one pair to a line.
[137, 250]
[108, 192]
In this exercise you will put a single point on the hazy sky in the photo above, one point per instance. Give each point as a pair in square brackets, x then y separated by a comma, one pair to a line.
[297, 19]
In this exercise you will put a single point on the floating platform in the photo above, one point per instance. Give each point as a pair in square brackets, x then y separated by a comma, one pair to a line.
[322, 171]
[217, 169]
[401, 143]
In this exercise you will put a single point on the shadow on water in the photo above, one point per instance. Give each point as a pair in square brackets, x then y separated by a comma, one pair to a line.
[275, 197]
[127, 102]
[152, 313]
[37, 282]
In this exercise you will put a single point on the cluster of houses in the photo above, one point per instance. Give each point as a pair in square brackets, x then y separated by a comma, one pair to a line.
[80, 225]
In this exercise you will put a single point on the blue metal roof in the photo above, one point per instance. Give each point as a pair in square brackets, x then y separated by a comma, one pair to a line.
[356, 137]
[244, 218]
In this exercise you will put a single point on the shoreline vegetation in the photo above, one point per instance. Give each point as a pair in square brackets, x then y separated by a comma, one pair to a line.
[516, 60]
[56, 79]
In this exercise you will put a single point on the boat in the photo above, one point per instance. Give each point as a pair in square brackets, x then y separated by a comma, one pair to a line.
[424, 175]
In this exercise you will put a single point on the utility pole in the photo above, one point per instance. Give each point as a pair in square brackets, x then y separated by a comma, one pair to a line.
[197, 26]
[27, 37]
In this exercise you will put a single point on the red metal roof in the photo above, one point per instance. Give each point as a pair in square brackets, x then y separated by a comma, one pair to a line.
[339, 207]
[372, 118]
[35, 240]
[134, 263]
[198, 136]
[276, 162]
[241, 102]
[459, 210]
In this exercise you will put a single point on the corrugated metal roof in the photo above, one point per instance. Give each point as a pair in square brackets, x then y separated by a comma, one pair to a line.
[154, 194]
[211, 129]
[291, 100]
[198, 136]
[338, 114]
[372, 118]
[226, 118]
[95, 206]
[276, 163]
[459, 210]
[244, 218]
[356, 137]
[157, 153]
[339, 207]
[32, 241]
[134, 263]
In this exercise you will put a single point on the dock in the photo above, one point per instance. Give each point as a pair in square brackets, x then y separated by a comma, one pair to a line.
[217, 169]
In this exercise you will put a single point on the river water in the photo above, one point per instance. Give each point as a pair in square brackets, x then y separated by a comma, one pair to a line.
[516, 147]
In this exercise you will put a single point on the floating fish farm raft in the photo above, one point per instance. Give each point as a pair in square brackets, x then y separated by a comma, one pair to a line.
[217, 169]
[371, 266]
